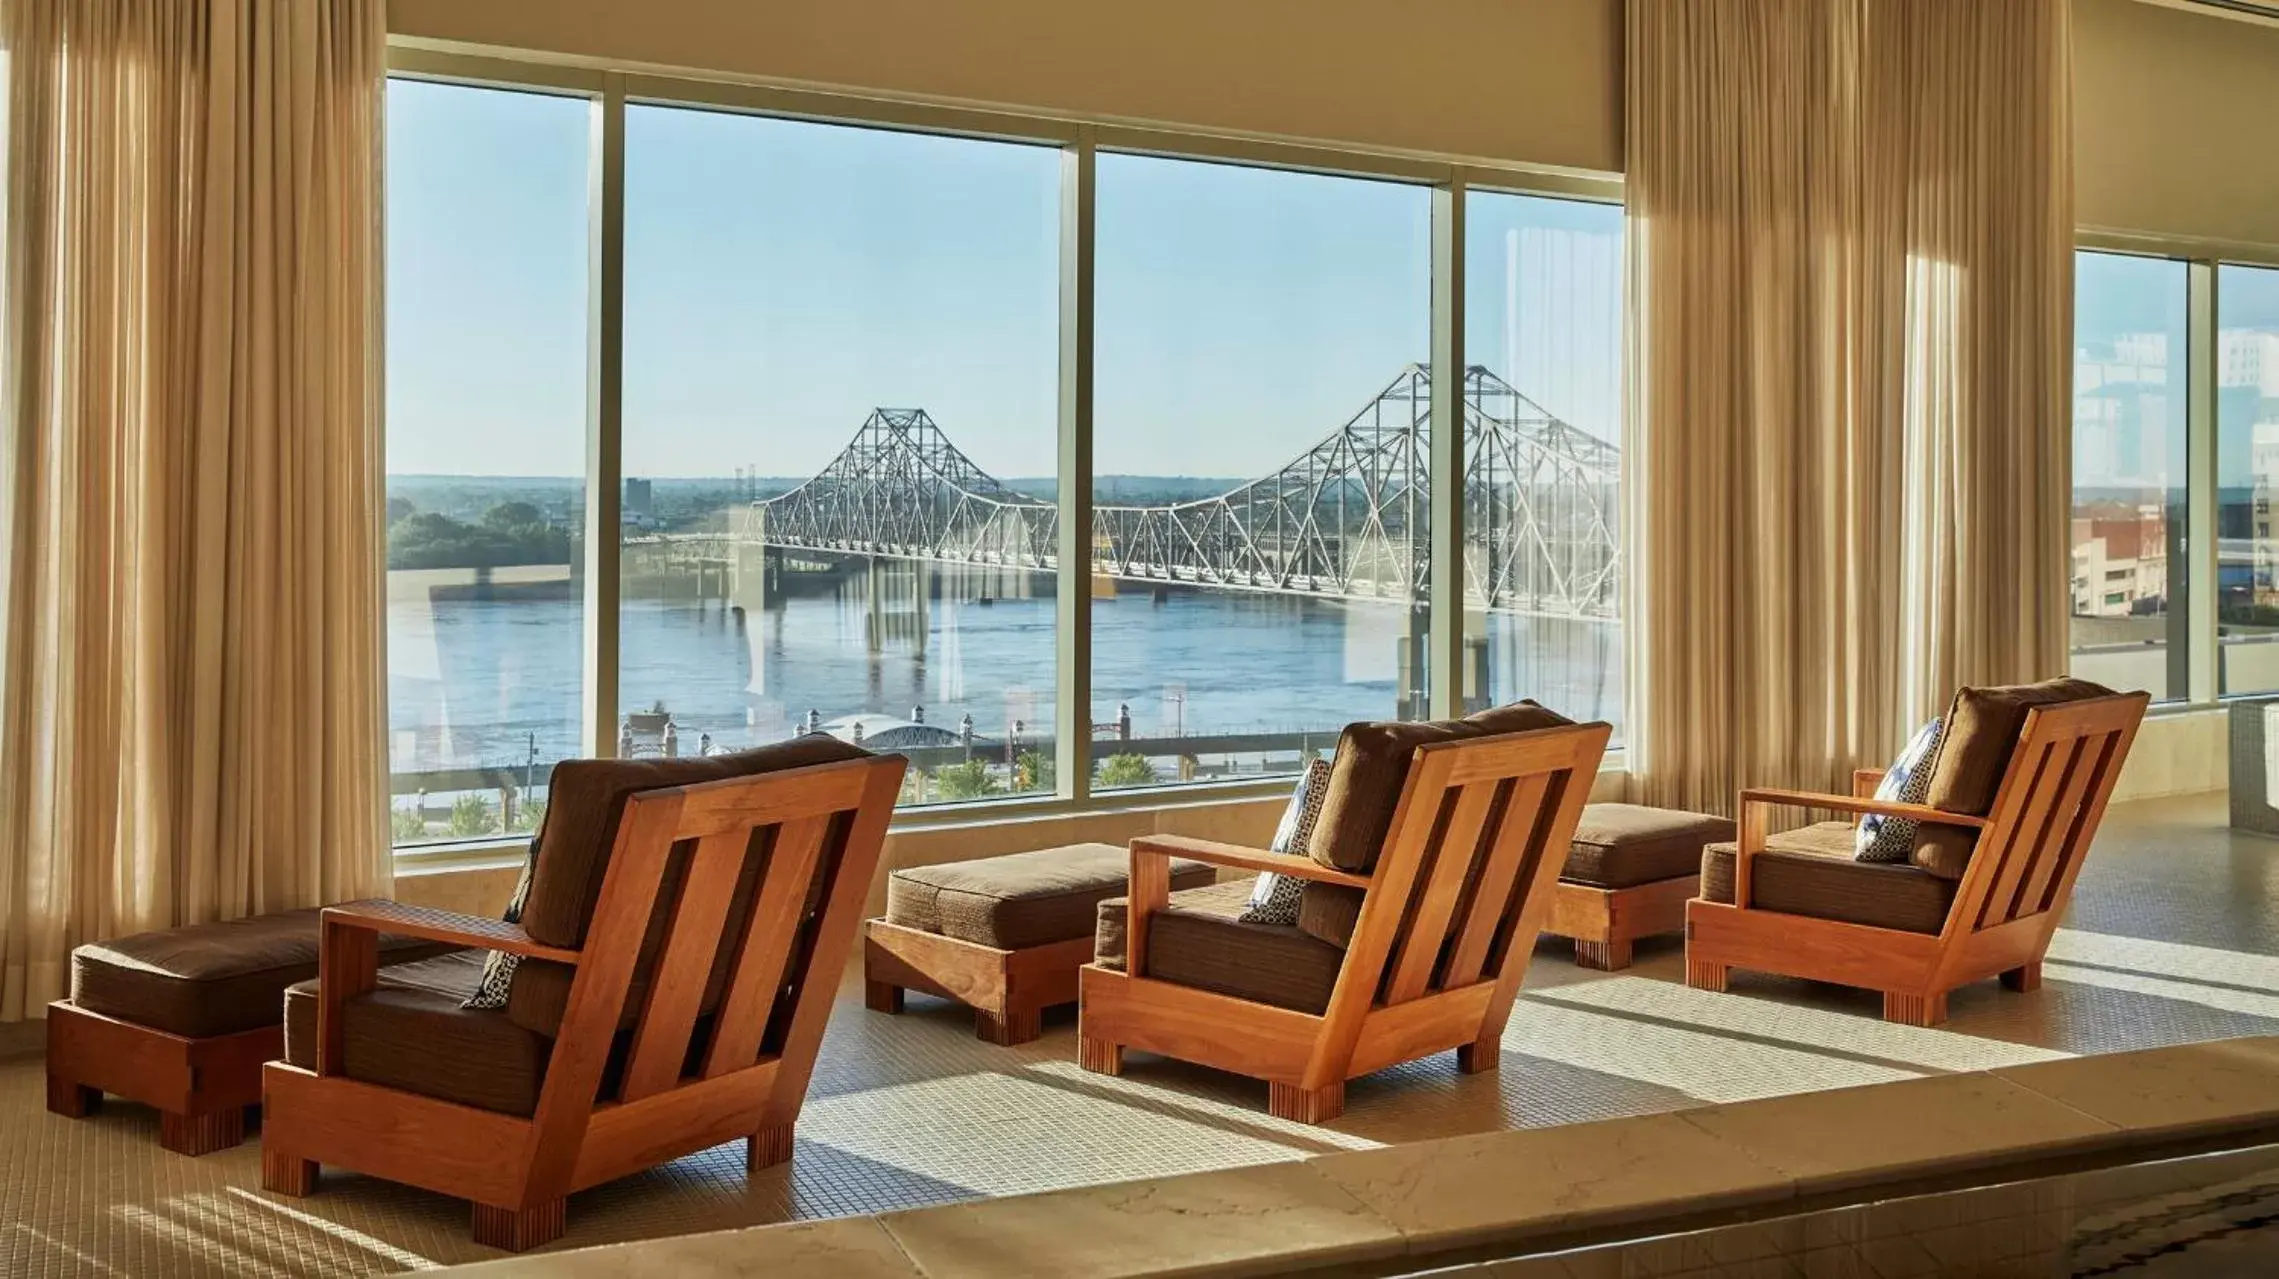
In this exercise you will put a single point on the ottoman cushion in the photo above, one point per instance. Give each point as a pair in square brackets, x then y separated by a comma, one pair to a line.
[1021, 899]
[1810, 871]
[1200, 940]
[411, 1033]
[1625, 845]
[209, 979]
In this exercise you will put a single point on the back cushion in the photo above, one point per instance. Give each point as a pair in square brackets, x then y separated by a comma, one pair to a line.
[585, 800]
[1982, 728]
[1372, 765]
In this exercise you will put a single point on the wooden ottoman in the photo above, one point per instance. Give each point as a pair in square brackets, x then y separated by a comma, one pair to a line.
[1629, 874]
[1003, 935]
[182, 1019]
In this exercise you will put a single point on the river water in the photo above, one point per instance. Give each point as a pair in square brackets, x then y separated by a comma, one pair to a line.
[487, 682]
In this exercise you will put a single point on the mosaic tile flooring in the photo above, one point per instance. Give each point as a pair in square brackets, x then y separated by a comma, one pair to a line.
[2174, 937]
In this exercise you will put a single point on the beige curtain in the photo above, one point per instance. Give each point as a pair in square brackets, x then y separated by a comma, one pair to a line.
[191, 689]
[1850, 325]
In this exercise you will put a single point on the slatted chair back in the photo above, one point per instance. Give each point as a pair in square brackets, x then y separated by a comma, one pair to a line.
[797, 850]
[2053, 795]
[1469, 866]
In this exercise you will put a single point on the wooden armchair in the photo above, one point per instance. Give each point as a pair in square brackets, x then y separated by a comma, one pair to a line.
[686, 969]
[1447, 922]
[1994, 918]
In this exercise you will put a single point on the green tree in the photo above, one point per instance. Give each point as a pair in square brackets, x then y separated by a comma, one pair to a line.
[398, 508]
[513, 517]
[471, 815]
[405, 824]
[969, 780]
[1033, 771]
[1126, 770]
[529, 813]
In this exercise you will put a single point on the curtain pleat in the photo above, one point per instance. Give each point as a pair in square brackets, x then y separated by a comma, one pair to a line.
[191, 686]
[1850, 313]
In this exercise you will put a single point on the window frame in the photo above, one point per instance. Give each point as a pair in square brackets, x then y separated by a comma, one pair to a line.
[1449, 179]
[2203, 260]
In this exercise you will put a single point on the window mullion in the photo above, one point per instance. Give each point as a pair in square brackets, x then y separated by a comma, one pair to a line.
[605, 336]
[1445, 452]
[1072, 755]
[2201, 497]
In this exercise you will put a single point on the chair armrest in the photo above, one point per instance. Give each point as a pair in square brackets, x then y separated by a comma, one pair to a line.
[1864, 782]
[1236, 857]
[1857, 804]
[429, 924]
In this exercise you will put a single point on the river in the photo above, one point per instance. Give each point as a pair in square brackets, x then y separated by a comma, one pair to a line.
[487, 682]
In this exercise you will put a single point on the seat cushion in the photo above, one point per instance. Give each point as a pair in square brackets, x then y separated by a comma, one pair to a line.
[410, 1033]
[1200, 940]
[209, 979]
[1021, 899]
[1624, 845]
[1372, 765]
[1810, 871]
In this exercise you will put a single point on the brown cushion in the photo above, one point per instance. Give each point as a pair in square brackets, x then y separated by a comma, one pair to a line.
[410, 1033]
[1329, 912]
[1021, 899]
[209, 979]
[1371, 766]
[585, 802]
[1624, 845]
[1810, 871]
[1200, 941]
[586, 797]
[1982, 728]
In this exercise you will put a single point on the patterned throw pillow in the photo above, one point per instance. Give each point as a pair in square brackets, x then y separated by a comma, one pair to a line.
[1892, 839]
[1274, 899]
[498, 966]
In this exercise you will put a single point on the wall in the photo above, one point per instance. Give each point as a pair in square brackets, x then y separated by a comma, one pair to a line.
[2173, 118]
[1477, 78]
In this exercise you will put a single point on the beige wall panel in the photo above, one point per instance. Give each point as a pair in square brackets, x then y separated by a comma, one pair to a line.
[2174, 113]
[1513, 80]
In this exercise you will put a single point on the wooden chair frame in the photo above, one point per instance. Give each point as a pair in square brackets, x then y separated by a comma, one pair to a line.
[1430, 966]
[828, 820]
[2006, 908]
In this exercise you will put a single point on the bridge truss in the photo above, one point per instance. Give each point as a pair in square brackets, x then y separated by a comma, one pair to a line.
[1347, 519]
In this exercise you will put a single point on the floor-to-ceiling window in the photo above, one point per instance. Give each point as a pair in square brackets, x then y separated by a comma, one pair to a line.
[2247, 457]
[487, 242]
[2130, 514]
[840, 434]
[1543, 428]
[829, 376]
[1261, 509]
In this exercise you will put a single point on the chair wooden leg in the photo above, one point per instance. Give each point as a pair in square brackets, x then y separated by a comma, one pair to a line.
[1914, 1010]
[1099, 1056]
[880, 997]
[518, 1229]
[1603, 956]
[70, 1098]
[1305, 1105]
[2025, 977]
[1013, 1026]
[1702, 974]
[767, 1147]
[285, 1173]
[1479, 1058]
[201, 1134]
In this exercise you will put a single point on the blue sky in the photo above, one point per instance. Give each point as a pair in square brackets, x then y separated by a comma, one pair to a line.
[782, 278]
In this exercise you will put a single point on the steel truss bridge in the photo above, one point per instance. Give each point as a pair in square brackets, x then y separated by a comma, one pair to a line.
[1347, 519]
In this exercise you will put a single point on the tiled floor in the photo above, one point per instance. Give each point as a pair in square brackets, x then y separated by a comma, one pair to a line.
[2174, 937]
